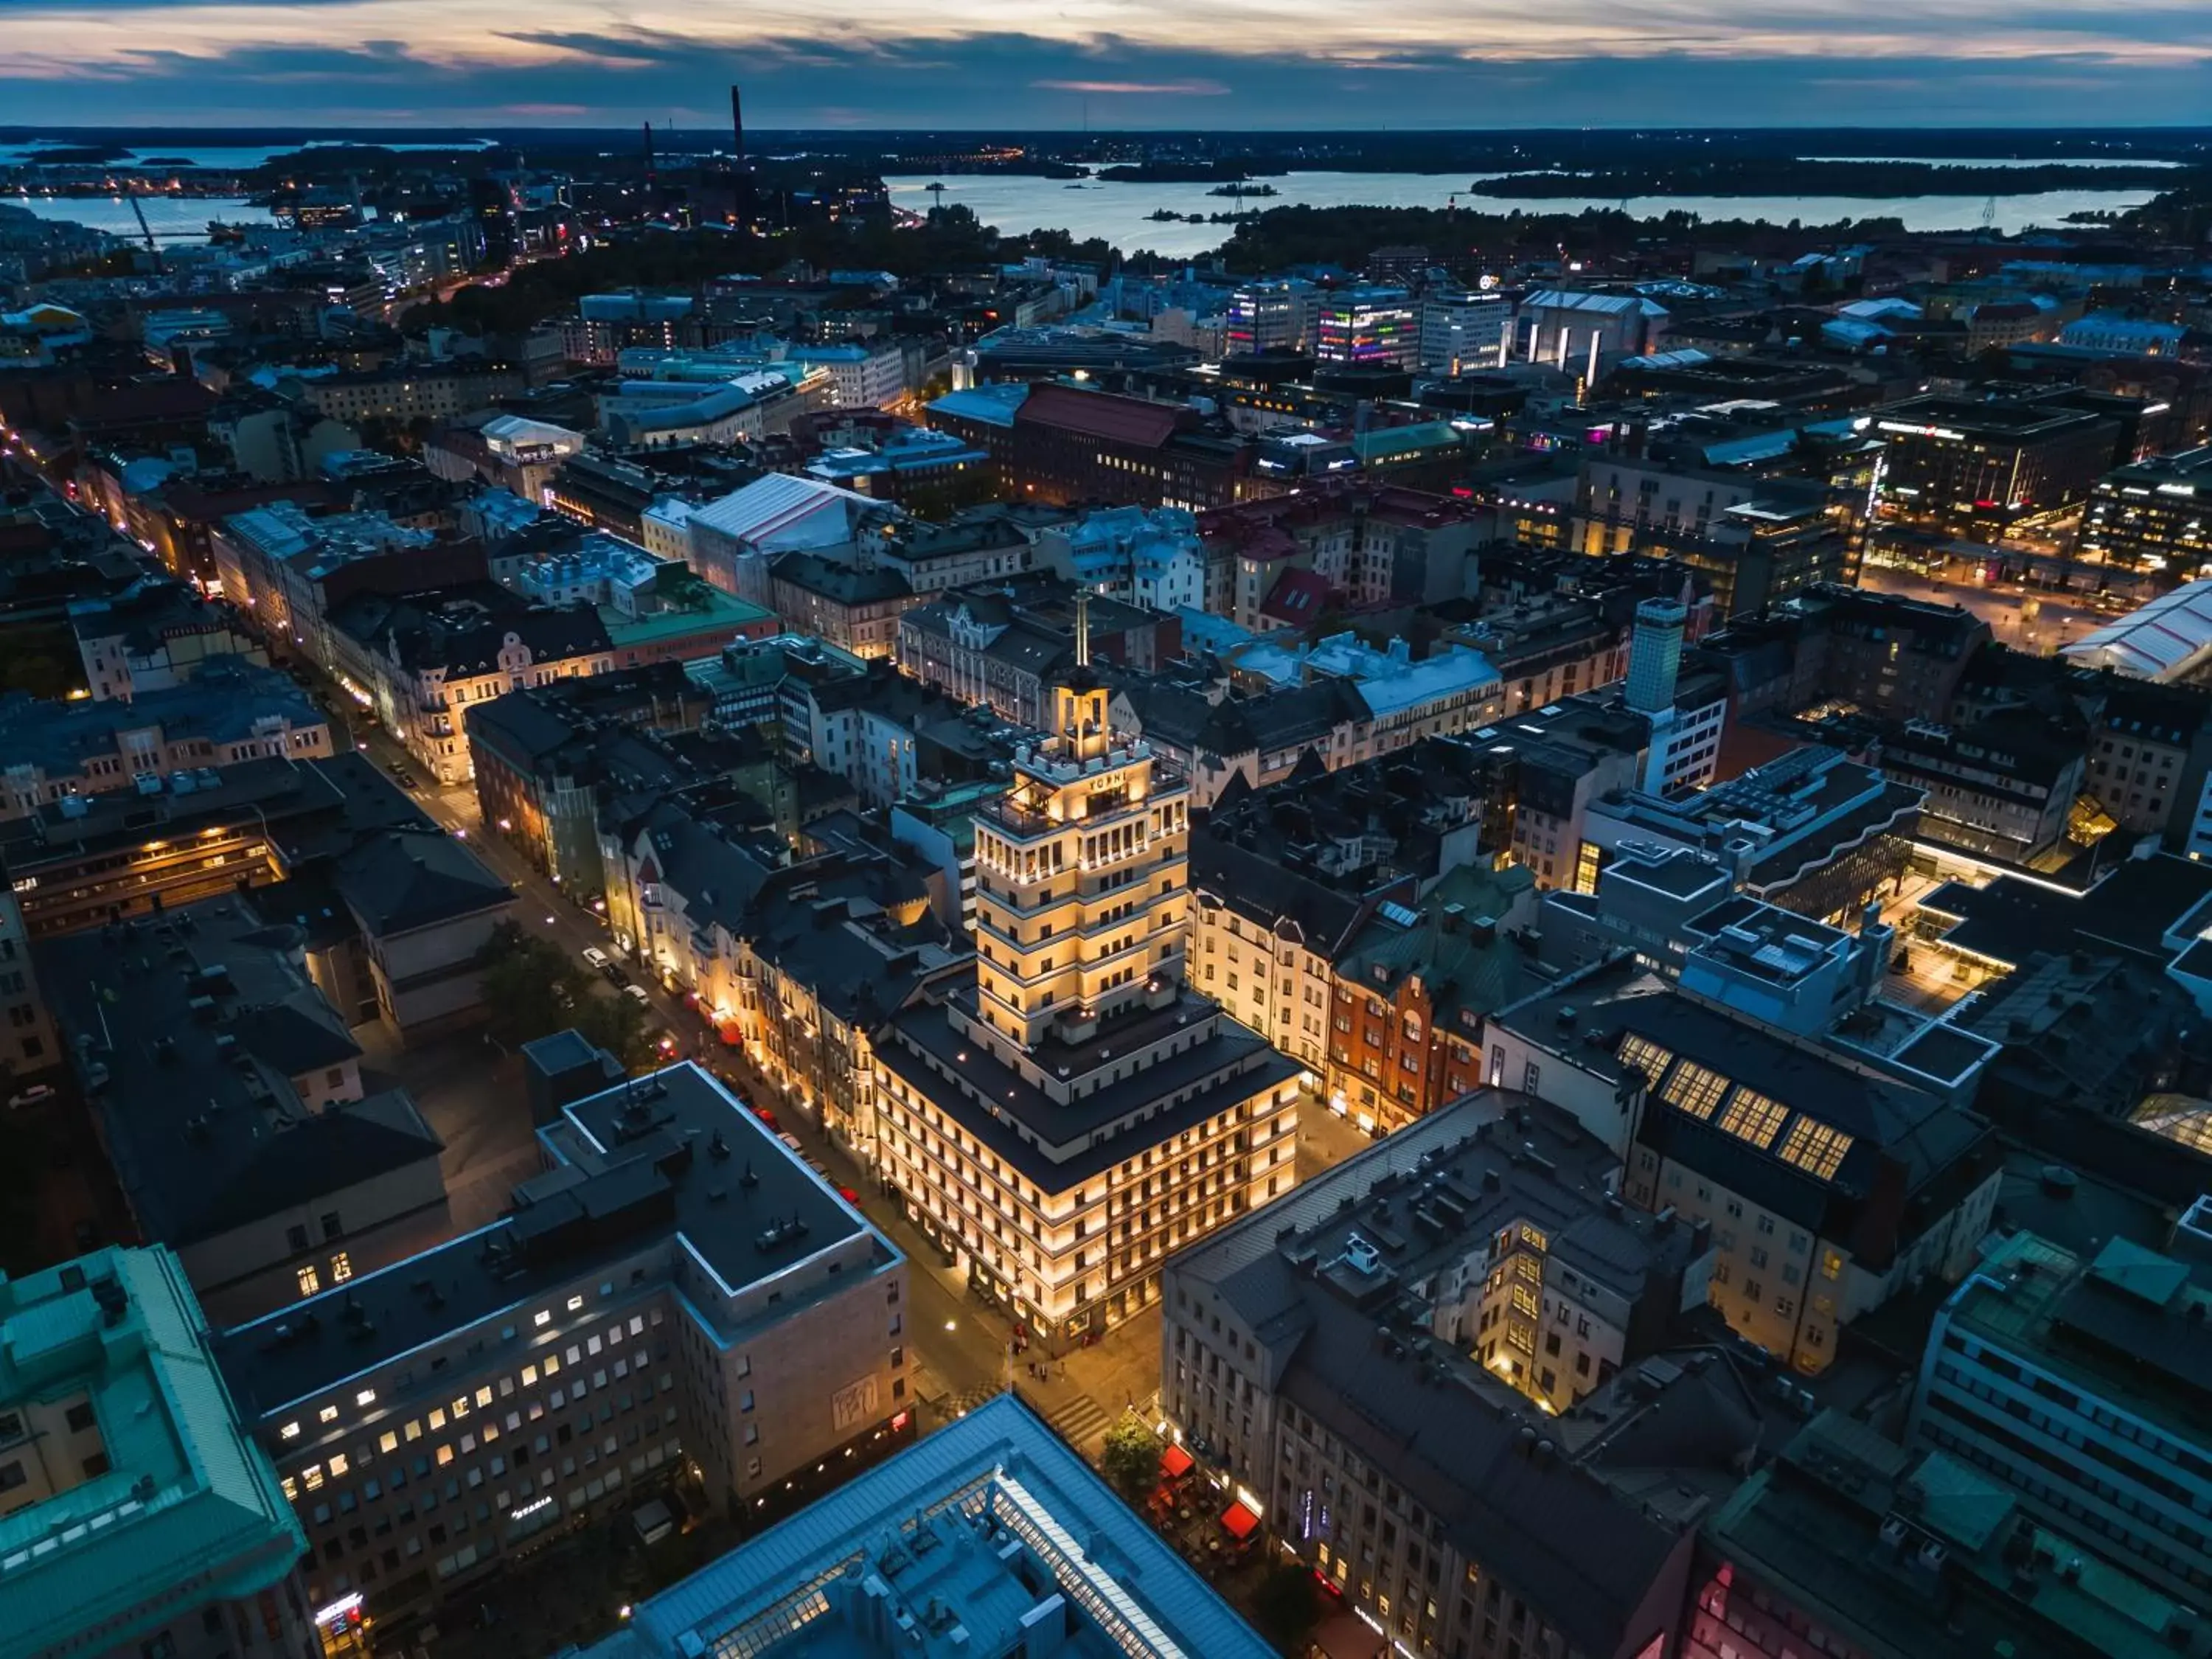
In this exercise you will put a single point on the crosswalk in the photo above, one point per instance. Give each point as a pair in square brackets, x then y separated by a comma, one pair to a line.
[1079, 1419]
[967, 1400]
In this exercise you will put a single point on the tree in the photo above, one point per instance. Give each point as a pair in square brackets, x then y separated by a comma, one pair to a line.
[530, 987]
[1130, 1459]
[1285, 1607]
[617, 1025]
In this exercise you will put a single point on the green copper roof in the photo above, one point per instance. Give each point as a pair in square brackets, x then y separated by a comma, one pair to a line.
[188, 1509]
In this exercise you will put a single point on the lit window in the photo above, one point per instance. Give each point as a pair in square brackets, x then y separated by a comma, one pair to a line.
[1647, 1056]
[366, 1397]
[444, 1456]
[341, 1269]
[1695, 1089]
[289, 1431]
[574, 1303]
[461, 1406]
[328, 1414]
[483, 1396]
[415, 1429]
[1752, 1116]
[291, 1489]
[338, 1464]
[310, 1280]
[388, 1442]
[543, 1317]
[529, 1375]
[437, 1417]
[313, 1474]
[1815, 1147]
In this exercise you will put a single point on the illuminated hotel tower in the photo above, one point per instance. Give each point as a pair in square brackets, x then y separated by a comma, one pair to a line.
[1078, 1114]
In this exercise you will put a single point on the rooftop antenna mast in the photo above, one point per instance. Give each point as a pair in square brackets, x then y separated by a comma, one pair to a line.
[1082, 630]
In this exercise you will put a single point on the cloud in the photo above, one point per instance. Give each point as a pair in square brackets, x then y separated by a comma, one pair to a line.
[1138, 89]
[1224, 64]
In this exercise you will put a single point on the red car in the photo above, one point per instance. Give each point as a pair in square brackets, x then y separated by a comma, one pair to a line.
[766, 1116]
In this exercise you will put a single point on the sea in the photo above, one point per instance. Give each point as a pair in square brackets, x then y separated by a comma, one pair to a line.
[1118, 212]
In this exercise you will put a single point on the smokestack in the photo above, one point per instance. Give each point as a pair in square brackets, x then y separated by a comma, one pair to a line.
[738, 129]
[648, 154]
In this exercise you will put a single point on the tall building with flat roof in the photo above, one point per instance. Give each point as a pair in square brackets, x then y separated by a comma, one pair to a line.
[1076, 1113]
[677, 1289]
[137, 1516]
[2080, 1383]
[990, 1538]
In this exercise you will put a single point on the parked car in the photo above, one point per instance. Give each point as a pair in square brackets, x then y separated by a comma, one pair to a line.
[637, 993]
[790, 1140]
[598, 958]
[616, 976]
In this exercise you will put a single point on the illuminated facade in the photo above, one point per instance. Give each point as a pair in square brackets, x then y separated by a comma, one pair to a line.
[1376, 327]
[1076, 1114]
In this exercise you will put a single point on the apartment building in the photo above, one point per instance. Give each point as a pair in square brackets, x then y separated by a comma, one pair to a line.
[1830, 1187]
[677, 1289]
[1412, 1369]
[231, 712]
[227, 1093]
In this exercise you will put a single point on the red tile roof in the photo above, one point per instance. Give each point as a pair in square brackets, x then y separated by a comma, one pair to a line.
[1102, 414]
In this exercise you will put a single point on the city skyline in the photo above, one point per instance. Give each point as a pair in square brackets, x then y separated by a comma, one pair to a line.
[1216, 64]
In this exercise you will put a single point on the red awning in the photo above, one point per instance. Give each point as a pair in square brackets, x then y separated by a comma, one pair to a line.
[1175, 1461]
[1240, 1521]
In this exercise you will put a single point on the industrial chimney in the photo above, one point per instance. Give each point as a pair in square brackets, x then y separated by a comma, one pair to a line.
[738, 129]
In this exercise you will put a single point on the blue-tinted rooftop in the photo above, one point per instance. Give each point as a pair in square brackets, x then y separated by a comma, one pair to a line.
[988, 1539]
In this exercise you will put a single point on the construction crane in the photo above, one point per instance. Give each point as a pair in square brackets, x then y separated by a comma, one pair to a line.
[153, 248]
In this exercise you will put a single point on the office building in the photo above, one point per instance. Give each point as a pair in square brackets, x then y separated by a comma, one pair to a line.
[677, 1289]
[2077, 1382]
[1975, 466]
[1830, 1188]
[1369, 327]
[991, 1538]
[1403, 1369]
[1811, 830]
[137, 1517]
[2153, 516]
[1461, 332]
[1272, 317]
[1074, 1114]
[1848, 1541]
[1067, 445]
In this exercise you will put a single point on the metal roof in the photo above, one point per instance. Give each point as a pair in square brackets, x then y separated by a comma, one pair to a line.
[2160, 641]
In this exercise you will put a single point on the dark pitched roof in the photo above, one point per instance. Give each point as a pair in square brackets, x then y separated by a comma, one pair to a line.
[398, 882]
[1100, 414]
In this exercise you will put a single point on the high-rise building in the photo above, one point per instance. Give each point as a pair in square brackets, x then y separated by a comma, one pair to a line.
[1067, 1120]
[1270, 316]
[1376, 327]
[135, 1517]
[1655, 655]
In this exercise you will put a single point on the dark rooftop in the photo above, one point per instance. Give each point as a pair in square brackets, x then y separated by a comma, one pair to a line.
[191, 1029]
[672, 1155]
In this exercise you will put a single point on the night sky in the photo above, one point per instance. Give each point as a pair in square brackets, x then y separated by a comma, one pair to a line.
[971, 63]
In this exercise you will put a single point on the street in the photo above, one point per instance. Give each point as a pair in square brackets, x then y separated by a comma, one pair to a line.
[2024, 618]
